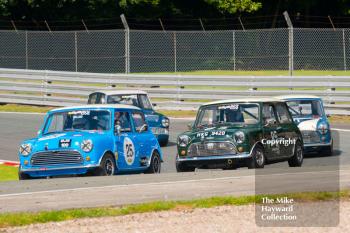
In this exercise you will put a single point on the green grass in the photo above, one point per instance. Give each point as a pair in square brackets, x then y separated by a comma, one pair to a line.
[23, 108]
[26, 218]
[260, 72]
[8, 173]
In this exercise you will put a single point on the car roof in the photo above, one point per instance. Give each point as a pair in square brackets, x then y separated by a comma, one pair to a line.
[284, 97]
[250, 99]
[97, 106]
[121, 92]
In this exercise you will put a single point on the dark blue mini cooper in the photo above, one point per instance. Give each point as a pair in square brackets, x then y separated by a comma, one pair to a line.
[94, 139]
[308, 113]
[158, 123]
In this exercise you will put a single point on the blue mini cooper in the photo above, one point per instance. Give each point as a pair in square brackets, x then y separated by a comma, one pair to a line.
[95, 139]
[308, 113]
[158, 123]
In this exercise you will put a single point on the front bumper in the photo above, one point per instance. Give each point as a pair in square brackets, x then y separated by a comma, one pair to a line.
[244, 155]
[57, 171]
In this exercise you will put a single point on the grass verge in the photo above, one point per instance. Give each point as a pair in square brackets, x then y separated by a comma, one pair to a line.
[169, 113]
[8, 173]
[21, 219]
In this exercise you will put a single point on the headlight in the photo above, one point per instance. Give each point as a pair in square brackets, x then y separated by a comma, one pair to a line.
[165, 122]
[183, 140]
[86, 145]
[322, 128]
[239, 137]
[25, 149]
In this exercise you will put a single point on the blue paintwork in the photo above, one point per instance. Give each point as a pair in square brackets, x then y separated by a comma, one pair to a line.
[327, 138]
[103, 141]
[154, 120]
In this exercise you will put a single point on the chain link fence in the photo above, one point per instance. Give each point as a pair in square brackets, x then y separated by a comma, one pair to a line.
[135, 51]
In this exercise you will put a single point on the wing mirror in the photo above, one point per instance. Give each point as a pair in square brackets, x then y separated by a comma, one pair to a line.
[190, 126]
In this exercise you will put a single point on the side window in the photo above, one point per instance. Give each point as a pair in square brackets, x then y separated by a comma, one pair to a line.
[145, 103]
[139, 122]
[269, 114]
[123, 120]
[92, 98]
[282, 114]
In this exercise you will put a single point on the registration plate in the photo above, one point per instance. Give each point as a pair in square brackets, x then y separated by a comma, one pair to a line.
[65, 143]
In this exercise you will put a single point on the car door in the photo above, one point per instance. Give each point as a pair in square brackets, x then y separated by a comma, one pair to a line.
[270, 131]
[143, 136]
[127, 147]
[286, 129]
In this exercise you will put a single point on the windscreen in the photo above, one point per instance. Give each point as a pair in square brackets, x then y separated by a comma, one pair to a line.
[78, 120]
[123, 99]
[231, 113]
[305, 108]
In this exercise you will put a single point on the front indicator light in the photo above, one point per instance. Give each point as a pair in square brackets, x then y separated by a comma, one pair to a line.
[240, 149]
[26, 162]
[87, 158]
[183, 152]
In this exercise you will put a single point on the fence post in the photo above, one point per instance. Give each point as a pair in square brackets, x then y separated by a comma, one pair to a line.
[175, 52]
[344, 50]
[76, 51]
[290, 43]
[234, 49]
[127, 43]
[26, 41]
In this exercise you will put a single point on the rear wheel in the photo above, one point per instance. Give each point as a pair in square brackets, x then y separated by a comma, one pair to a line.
[107, 166]
[258, 158]
[155, 165]
[182, 167]
[297, 159]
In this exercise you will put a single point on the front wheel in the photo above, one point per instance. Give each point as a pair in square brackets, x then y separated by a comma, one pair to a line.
[297, 159]
[107, 166]
[258, 158]
[182, 167]
[23, 176]
[155, 165]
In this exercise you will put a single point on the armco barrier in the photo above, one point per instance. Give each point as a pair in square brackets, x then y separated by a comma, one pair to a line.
[55, 88]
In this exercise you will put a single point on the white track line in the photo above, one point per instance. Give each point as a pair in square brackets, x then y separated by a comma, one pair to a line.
[341, 130]
[160, 183]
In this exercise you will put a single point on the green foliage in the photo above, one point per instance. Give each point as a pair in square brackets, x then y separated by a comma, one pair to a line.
[8, 173]
[234, 6]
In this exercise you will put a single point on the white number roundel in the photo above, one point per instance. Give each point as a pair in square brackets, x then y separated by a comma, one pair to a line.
[129, 151]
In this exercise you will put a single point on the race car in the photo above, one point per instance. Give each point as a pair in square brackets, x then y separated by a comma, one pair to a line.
[248, 132]
[158, 123]
[308, 113]
[99, 140]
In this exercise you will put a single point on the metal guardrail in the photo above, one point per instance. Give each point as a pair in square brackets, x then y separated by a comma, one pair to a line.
[55, 88]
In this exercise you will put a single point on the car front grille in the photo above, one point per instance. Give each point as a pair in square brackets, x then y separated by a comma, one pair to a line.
[310, 136]
[57, 158]
[158, 130]
[211, 149]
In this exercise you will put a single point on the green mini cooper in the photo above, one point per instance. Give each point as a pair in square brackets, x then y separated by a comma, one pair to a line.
[242, 132]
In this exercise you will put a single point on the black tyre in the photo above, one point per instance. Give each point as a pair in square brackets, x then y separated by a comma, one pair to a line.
[23, 176]
[297, 159]
[182, 167]
[328, 151]
[107, 166]
[258, 158]
[156, 164]
[163, 143]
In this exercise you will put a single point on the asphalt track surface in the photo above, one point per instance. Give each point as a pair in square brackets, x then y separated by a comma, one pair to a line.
[317, 174]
